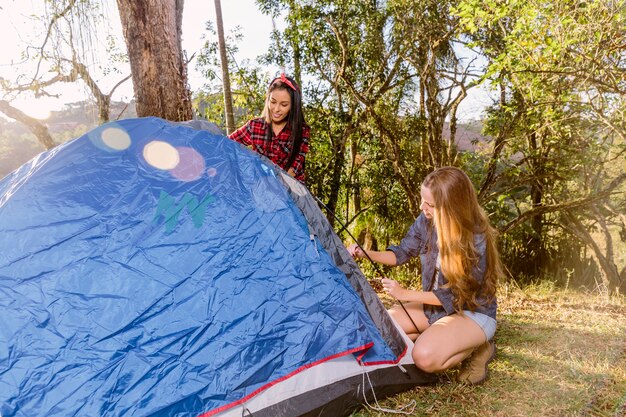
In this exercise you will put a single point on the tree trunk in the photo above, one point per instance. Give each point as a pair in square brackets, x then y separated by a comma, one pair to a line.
[38, 129]
[535, 244]
[153, 29]
[609, 275]
[339, 162]
[295, 42]
[339, 159]
[103, 101]
[228, 98]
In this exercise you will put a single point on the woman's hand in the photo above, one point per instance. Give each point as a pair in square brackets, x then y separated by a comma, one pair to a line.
[394, 289]
[356, 251]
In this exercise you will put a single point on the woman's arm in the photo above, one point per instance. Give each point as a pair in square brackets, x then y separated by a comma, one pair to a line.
[402, 294]
[397, 255]
[242, 135]
[386, 257]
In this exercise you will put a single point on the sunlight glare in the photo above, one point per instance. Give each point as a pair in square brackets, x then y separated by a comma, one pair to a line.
[191, 165]
[115, 138]
[35, 108]
[161, 155]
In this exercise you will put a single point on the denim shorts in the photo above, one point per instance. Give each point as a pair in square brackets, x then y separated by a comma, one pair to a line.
[485, 322]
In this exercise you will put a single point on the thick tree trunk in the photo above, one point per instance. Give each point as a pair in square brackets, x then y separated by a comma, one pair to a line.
[152, 29]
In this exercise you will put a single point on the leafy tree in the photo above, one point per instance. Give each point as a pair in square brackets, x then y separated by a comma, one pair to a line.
[60, 57]
[559, 125]
[368, 60]
[248, 82]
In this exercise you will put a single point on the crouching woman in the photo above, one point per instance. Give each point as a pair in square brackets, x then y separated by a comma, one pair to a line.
[455, 313]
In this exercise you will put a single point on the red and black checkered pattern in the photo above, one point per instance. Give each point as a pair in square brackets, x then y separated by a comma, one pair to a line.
[254, 135]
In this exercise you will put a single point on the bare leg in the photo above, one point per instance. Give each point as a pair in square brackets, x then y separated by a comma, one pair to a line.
[447, 342]
[416, 312]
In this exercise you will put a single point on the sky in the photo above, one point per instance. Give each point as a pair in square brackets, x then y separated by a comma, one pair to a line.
[17, 29]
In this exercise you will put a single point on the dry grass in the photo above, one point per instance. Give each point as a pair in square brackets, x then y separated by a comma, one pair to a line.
[560, 353]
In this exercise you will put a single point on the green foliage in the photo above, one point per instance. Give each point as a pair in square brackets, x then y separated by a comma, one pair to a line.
[365, 60]
[561, 65]
[248, 83]
[379, 82]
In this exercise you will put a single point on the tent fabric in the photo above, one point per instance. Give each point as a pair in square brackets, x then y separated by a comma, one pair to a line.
[151, 268]
[336, 249]
[333, 388]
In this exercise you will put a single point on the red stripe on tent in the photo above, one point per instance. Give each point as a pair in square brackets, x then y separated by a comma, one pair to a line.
[363, 348]
[400, 356]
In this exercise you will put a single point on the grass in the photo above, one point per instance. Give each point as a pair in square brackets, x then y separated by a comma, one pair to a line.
[560, 353]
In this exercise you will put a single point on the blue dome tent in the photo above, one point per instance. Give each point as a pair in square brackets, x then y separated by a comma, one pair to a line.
[150, 268]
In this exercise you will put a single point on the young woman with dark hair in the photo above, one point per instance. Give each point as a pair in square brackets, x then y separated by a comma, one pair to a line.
[455, 313]
[281, 133]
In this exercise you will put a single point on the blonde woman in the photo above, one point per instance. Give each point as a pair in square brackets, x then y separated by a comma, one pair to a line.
[455, 313]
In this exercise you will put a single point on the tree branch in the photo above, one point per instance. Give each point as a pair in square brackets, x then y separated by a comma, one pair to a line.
[581, 202]
[34, 125]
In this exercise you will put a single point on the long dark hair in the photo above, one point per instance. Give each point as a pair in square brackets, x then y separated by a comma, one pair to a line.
[295, 118]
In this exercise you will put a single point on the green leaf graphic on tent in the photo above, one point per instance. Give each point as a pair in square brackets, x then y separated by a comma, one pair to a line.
[168, 208]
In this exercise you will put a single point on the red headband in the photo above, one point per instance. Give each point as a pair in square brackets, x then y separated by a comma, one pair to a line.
[283, 79]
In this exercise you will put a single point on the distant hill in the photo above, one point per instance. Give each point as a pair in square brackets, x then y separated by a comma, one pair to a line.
[72, 116]
[18, 144]
[468, 136]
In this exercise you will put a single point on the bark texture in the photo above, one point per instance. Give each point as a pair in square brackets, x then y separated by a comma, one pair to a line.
[153, 32]
[228, 98]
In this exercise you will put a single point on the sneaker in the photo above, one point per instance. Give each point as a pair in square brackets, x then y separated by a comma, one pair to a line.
[478, 364]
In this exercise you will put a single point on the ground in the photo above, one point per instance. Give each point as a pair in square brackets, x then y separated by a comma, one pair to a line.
[560, 353]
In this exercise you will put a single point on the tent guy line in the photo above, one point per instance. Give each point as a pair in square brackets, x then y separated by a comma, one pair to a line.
[376, 267]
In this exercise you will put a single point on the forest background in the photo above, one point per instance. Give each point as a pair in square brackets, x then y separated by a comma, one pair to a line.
[382, 83]
[385, 84]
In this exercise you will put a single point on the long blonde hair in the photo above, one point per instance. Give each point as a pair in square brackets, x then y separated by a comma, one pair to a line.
[457, 217]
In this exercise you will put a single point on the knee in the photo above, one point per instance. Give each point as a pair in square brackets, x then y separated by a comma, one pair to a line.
[393, 313]
[425, 357]
[398, 316]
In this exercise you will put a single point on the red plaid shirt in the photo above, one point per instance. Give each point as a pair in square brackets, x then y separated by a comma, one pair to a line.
[253, 135]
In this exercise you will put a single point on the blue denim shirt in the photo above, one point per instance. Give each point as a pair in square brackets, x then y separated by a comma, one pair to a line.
[421, 240]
